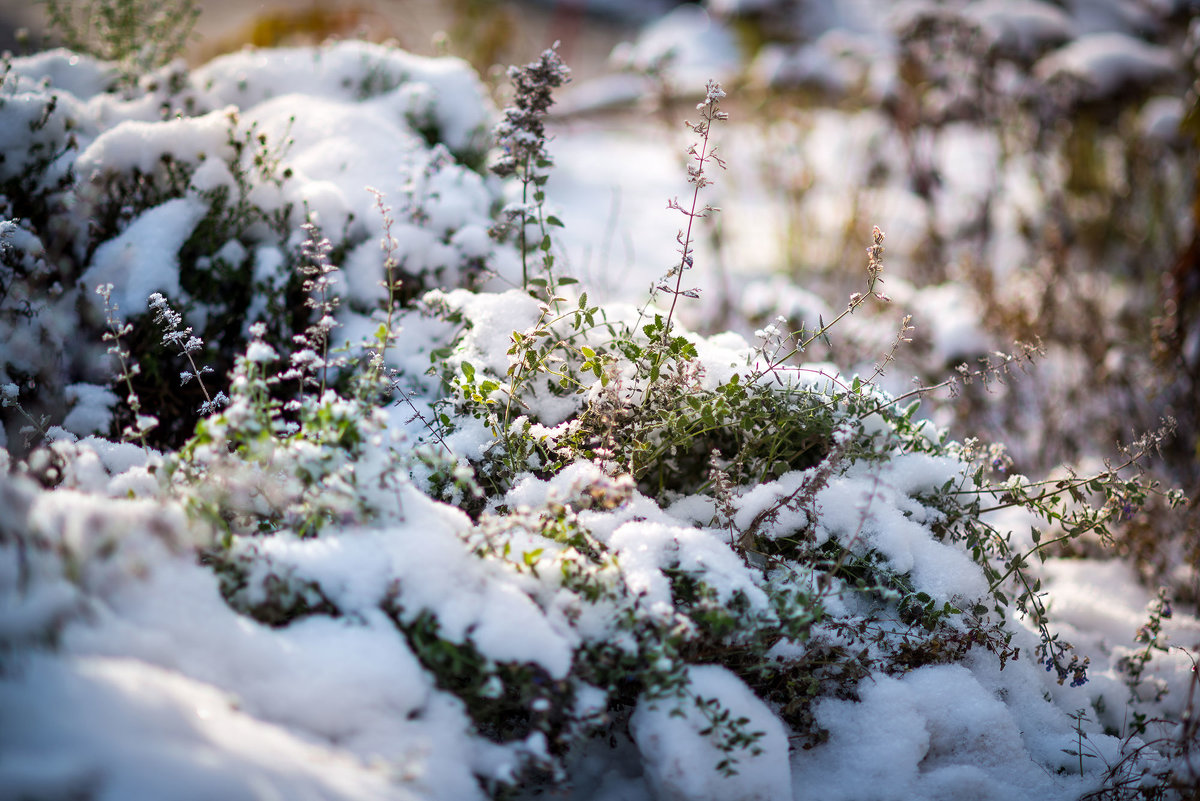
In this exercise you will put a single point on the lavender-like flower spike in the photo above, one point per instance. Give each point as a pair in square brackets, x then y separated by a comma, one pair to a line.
[713, 94]
[187, 343]
[521, 135]
[521, 139]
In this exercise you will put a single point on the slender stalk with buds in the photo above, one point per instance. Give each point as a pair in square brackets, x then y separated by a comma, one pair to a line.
[709, 113]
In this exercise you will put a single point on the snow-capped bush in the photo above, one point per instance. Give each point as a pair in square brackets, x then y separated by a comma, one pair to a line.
[195, 185]
[453, 544]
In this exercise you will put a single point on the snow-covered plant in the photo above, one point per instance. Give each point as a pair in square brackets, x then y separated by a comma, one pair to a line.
[205, 207]
[137, 35]
[592, 549]
[183, 340]
[318, 285]
[129, 369]
[702, 154]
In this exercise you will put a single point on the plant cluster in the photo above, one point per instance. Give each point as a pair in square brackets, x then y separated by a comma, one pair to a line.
[78, 194]
[135, 35]
[1058, 193]
[653, 507]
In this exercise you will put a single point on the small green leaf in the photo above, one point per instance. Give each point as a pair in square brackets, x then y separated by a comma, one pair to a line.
[552, 220]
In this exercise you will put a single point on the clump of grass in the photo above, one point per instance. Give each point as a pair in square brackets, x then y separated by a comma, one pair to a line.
[138, 35]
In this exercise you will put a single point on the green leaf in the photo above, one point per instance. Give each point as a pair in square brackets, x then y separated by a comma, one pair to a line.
[546, 242]
[583, 300]
[468, 372]
[552, 220]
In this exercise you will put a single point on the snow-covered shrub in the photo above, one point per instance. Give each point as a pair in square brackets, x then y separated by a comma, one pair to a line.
[500, 542]
[194, 185]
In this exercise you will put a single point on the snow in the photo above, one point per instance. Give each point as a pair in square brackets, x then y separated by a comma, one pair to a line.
[92, 410]
[143, 260]
[1108, 63]
[688, 44]
[1161, 119]
[835, 64]
[935, 733]
[81, 75]
[872, 510]
[1022, 29]
[681, 761]
[137, 145]
[415, 87]
[179, 739]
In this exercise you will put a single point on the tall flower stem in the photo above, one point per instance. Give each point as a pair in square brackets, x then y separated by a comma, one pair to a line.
[709, 113]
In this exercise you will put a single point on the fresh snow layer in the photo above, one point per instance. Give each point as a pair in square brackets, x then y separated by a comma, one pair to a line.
[165, 680]
[1021, 28]
[142, 260]
[681, 762]
[936, 733]
[119, 729]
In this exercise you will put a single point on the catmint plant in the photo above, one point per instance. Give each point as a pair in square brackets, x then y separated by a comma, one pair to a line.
[143, 424]
[521, 137]
[174, 335]
[701, 155]
[317, 269]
